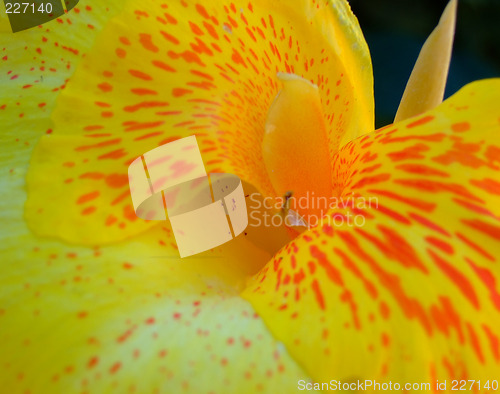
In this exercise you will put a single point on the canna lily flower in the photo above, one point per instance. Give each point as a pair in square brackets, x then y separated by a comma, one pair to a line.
[95, 300]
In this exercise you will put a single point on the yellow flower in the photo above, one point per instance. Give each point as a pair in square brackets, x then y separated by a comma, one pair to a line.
[95, 300]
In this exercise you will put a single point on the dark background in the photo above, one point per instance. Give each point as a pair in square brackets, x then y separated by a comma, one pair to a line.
[396, 30]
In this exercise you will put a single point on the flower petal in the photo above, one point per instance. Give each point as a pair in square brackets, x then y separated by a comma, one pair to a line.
[406, 287]
[425, 88]
[131, 316]
[161, 72]
[122, 317]
[36, 63]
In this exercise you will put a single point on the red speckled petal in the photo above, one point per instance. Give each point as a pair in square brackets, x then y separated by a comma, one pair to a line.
[162, 71]
[126, 318]
[35, 64]
[131, 317]
[403, 283]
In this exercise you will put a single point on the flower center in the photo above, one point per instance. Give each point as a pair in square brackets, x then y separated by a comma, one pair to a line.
[295, 148]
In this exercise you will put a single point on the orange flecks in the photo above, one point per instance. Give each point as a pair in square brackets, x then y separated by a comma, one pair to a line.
[332, 272]
[411, 307]
[236, 57]
[144, 92]
[371, 180]
[347, 297]
[201, 47]
[122, 338]
[188, 56]
[486, 228]
[163, 66]
[120, 198]
[460, 127]
[170, 38]
[413, 202]
[125, 41]
[105, 87]
[385, 312]
[494, 342]
[141, 75]
[110, 220]
[474, 341]
[431, 186]
[88, 210]
[170, 19]
[129, 213]
[392, 214]
[422, 169]
[202, 11]
[179, 92]
[121, 53]
[421, 121]
[98, 145]
[457, 278]
[117, 180]
[88, 197]
[92, 362]
[142, 126]
[320, 299]
[145, 105]
[149, 135]
[202, 75]
[195, 29]
[114, 155]
[473, 207]
[115, 367]
[438, 137]
[440, 244]
[385, 339]
[427, 223]
[211, 30]
[489, 185]
[489, 281]
[411, 152]
[474, 246]
[147, 43]
[93, 128]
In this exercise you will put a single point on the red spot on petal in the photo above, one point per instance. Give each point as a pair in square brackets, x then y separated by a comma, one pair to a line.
[460, 127]
[92, 362]
[421, 121]
[115, 367]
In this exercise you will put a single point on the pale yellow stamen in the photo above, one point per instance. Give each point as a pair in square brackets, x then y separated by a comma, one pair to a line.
[425, 88]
